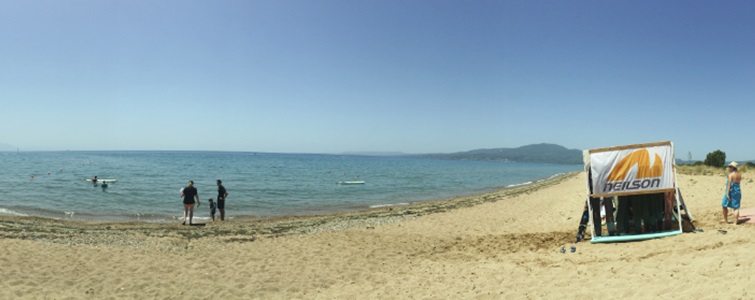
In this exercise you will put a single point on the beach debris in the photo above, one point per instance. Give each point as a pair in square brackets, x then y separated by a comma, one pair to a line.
[563, 250]
[573, 249]
[721, 231]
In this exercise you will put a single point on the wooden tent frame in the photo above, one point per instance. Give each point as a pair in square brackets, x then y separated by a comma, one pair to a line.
[678, 200]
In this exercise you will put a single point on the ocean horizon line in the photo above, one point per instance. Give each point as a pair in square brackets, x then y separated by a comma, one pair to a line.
[348, 153]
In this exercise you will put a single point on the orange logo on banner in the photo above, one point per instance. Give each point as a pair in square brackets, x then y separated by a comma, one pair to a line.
[641, 158]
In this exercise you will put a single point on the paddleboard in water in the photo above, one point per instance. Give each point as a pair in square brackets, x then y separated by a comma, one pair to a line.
[103, 180]
[351, 182]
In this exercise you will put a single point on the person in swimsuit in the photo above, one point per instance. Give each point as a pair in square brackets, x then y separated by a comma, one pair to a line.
[222, 194]
[733, 195]
[213, 206]
[190, 194]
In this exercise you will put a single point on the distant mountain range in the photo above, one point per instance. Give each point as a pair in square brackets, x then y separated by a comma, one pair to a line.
[538, 153]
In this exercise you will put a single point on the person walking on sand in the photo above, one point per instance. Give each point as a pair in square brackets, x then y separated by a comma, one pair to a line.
[222, 194]
[190, 195]
[733, 196]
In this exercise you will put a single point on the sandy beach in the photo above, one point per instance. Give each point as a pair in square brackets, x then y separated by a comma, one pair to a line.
[501, 245]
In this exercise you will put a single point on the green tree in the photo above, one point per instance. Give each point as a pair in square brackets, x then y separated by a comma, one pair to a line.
[715, 159]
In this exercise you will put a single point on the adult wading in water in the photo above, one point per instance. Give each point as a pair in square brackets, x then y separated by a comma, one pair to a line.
[190, 197]
[222, 194]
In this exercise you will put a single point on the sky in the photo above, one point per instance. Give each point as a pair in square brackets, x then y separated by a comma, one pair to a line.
[332, 76]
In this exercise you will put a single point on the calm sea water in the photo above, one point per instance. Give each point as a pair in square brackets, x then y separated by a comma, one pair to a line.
[52, 184]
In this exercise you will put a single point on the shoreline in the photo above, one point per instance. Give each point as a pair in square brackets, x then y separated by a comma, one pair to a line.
[283, 184]
[204, 216]
[75, 232]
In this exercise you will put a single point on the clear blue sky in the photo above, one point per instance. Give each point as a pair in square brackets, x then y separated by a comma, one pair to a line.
[351, 75]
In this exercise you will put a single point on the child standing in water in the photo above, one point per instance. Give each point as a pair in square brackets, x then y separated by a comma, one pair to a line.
[213, 206]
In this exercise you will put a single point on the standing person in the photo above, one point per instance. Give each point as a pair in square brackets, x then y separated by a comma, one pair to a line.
[222, 194]
[190, 194]
[733, 195]
[213, 206]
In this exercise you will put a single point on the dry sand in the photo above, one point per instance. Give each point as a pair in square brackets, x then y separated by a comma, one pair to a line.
[502, 245]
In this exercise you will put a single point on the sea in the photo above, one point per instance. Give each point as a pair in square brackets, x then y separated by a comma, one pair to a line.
[260, 185]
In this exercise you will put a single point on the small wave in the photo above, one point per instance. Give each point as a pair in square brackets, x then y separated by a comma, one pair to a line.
[556, 175]
[9, 212]
[180, 218]
[388, 205]
[519, 184]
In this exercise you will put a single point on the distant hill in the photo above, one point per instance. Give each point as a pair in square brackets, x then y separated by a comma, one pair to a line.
[540, 153]
[682, 162]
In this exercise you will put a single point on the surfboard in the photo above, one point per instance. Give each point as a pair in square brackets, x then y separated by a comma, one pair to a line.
[351, 182]
[103, 180]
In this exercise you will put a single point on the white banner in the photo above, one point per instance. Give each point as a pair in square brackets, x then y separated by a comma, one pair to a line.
[632, 170]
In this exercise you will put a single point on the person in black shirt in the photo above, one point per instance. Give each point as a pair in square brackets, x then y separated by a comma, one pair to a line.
[222, 194]
[190, 195]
